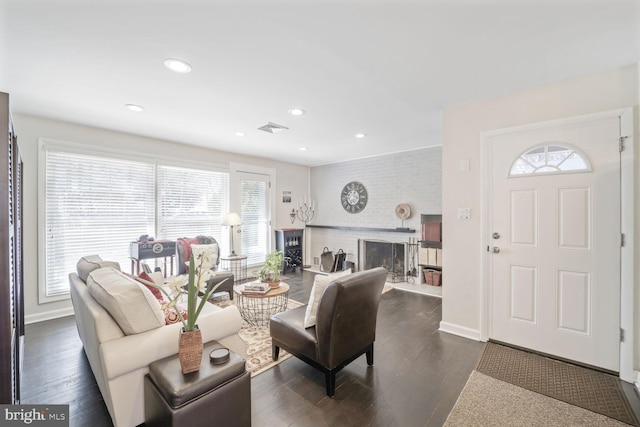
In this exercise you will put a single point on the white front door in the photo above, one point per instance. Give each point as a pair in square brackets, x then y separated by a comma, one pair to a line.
[555, 239]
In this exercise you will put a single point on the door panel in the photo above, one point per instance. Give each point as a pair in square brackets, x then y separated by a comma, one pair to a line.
[574, 221]
[555, 281]
[524, 217]
[574, 301]
[523, 290]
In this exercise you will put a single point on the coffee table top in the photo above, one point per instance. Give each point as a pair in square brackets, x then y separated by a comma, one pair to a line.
[274, 292]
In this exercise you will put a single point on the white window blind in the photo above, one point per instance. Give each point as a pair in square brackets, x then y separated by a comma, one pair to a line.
[255, 218]
[192, 202]
[93, 205]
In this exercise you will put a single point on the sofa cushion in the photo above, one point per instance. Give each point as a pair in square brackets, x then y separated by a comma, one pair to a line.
[131, 304]
[87, 264]
[210, 251]
[320, 281]
[155, 291]
[171, 315]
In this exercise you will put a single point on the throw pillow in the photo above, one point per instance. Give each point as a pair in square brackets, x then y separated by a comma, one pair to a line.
[320, 281]
[210, 252]
[130, 304]
[155, 291]
[87, 264]
[170, 315]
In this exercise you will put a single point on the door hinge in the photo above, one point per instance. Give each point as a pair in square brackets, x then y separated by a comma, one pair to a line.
[622, 240]
[621, 143]
[621, 335]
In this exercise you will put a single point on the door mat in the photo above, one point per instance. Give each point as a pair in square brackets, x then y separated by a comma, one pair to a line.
[583, 387]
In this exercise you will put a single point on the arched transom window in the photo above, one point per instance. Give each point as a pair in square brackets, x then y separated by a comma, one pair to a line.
[550, 159]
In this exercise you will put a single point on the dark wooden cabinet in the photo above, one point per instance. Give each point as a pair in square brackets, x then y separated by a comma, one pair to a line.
[11, 262]
[290, 241]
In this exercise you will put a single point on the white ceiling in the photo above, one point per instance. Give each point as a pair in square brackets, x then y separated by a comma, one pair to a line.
[385, 68]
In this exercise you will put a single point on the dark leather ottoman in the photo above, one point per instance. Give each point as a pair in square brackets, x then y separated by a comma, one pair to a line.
[215, 395]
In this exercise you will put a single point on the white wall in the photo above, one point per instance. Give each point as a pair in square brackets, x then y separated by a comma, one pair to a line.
[462, 247]
[29, 129]
[413, 177]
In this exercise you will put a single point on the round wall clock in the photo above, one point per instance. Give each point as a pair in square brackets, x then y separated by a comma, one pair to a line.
[353, 197]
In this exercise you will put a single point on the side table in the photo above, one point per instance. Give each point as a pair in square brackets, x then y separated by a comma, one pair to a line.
[219, 394]
[257, 309]
[235, 264]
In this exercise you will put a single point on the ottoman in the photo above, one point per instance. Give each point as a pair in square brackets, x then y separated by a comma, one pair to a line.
[215, 395]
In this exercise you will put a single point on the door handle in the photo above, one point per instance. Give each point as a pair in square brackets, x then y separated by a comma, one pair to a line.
[495, 250]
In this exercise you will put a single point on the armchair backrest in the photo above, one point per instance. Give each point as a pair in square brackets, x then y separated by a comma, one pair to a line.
[347, 315]
[183, 250]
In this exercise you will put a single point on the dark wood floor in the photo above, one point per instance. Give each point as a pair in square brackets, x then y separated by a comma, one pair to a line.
[415, 381]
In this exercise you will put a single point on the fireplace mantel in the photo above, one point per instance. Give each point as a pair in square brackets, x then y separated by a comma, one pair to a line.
[349, 228]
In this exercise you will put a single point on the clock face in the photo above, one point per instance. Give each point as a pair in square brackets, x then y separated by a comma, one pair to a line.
[353, 197]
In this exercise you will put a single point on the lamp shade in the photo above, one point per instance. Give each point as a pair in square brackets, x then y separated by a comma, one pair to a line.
[231, 219]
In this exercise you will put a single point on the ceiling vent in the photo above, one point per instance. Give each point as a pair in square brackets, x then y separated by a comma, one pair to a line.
[272, 128]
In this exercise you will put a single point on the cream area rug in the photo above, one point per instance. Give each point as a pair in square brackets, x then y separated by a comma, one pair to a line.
[486, 401]
[258, 341]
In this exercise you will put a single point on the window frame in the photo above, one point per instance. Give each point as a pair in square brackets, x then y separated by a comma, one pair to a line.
[545, 146]
[48, 144]
[237, 171]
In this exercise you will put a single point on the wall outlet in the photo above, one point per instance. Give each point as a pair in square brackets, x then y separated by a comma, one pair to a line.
[316, 260]
[464, 213]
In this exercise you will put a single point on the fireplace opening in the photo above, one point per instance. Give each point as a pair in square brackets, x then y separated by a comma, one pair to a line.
[380, 253]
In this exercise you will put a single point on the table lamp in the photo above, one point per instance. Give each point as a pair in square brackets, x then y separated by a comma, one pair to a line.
[232, 219]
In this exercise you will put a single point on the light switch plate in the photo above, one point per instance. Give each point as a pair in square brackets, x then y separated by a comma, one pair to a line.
[464, 213]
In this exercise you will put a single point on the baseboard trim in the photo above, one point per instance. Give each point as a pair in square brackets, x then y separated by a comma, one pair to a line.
[48, 315]
[460, 331]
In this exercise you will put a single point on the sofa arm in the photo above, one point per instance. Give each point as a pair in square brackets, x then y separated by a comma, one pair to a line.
[132, 352]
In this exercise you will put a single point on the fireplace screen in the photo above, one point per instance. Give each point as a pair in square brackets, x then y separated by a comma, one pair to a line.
[392, 256]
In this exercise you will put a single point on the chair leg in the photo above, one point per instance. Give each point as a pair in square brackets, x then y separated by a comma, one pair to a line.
[275, 351]
[231, 294]
[330, 380]
[370, 356]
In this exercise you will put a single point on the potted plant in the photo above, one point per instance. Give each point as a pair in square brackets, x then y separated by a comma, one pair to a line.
[196, 283]
[270, 271]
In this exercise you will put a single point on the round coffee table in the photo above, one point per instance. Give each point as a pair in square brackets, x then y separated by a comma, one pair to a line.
[257, 309]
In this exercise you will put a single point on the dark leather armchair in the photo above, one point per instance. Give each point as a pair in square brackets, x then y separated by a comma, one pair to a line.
[345, 326]
[183, 251]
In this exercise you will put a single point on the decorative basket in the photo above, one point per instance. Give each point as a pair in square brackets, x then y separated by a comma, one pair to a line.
[190, 350]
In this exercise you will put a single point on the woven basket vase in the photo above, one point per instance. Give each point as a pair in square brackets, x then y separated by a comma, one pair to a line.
[190, 350]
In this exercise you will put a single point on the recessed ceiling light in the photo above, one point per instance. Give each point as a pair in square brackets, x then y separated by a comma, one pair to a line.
[303, 148]
[177, 65]
[134, 107]
[296, 111]
[239, 133]
[360, 135]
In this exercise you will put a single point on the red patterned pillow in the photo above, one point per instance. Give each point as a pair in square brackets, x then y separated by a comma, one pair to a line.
[170, 315]
[155, 291]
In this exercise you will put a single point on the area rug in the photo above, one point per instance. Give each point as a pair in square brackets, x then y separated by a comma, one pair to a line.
[486, 401]
[258, 341]
[586, 388]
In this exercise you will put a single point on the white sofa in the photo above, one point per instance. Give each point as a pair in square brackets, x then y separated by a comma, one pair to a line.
[119, 362]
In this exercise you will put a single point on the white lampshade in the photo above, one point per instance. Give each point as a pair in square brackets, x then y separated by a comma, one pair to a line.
[232, 219]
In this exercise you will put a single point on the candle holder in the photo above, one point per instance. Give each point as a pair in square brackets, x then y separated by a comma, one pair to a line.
[305, 212]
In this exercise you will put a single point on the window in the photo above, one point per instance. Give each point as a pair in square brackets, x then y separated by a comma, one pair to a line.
[549, 159]
[191, 202]
[254, 212]
[99, 205]
[93, 205]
